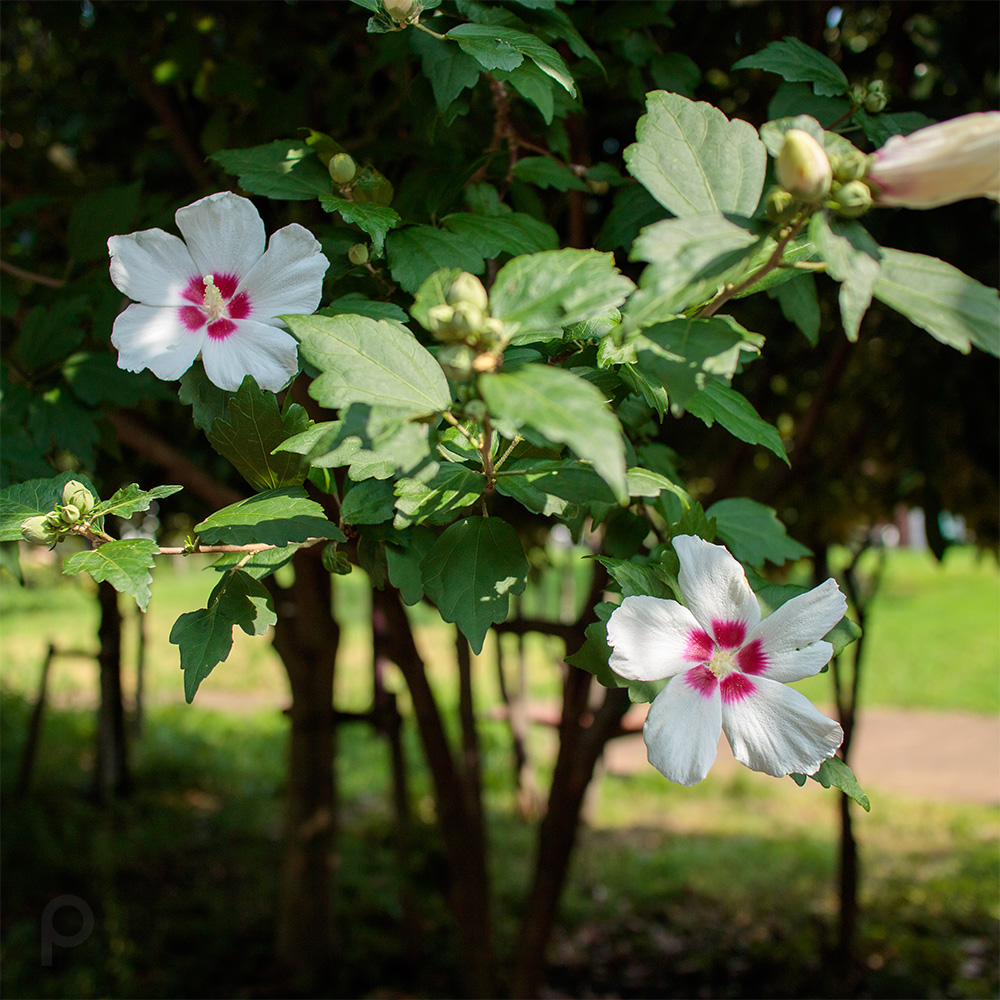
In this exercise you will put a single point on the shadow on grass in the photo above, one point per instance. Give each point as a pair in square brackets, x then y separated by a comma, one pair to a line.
[182, 878]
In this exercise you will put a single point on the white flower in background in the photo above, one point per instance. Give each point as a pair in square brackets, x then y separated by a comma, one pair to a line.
[216, 293]
[940, 164]
[728, 669]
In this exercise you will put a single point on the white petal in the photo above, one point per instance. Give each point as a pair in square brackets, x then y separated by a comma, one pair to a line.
[224, 233]
[778, 730]
[154, 338]
[790, 636]
[151, 267]
[288, 279]
[649, 637]
[267, 353]
[682, 731]
[714, 585]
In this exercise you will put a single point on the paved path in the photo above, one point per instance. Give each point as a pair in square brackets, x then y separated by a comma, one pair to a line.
[953, 756]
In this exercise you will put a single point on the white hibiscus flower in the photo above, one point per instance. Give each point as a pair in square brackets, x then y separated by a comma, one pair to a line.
[728, 669]
[216, 293]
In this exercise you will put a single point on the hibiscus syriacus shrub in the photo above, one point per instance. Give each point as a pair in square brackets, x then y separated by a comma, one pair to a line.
[416, 393]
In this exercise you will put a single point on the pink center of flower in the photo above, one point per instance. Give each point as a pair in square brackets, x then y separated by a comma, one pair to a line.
[724, 661]
[217, 303]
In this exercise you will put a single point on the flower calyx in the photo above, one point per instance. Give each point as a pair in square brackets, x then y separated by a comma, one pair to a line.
[403, 12]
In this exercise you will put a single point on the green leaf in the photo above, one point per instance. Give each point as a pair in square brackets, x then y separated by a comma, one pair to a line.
[130, 499]
[549, 486]
[948, 304]
[286, 169]
[95, 379]
[416, 252]
[496, 47]
[636, 579]
[545, 172]
[633, 208]
[205, 637]
[356, 304]
[533, 85]
[438, 499]
[375, 220]
[852, 258]
[682, 354]
[125, 563]
[449, 69]
[32, 498]
[275, 517]
[564, 409]
[99, 215]
[207, 400]
[800, 305]
[378, 362]
[798, 63]
[801, 99]
[834, 772]
[556, 288]
[515, 233]
[368, 502]
[471, 571]
[753, 533]
[719, 402]
[48, 334]
[403, 564]
[251, 431]
[693, 160]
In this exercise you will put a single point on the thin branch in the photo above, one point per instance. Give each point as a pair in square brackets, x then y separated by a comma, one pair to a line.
[38, 279]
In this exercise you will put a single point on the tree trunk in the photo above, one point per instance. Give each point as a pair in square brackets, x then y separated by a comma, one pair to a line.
[111, 774]
[455, 792]
[580, 748]
[306, 638]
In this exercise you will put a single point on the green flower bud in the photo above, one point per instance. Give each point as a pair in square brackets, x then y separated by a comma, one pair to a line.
[803, 168]
[55, 519]
[342, 168]
[779, 205]
[39, 531]
[859, 92]
[70, 513]
[358, 254]
[875, 98]
[335, 561]
[850, 166]
[475, 409]
[597, 187]
[79, 496]
[854, 199]
[402, 11]
[467, 288]
[458, 361]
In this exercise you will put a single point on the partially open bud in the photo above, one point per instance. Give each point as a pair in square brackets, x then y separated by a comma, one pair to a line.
[850, 166]
[358, 254]
[803, 168]
[79, 496]
[342, 168]
[875, 97]
[854, 199]
[468, 288]
[779, 205]
[39, 531]
[402, 11]
[940, 164]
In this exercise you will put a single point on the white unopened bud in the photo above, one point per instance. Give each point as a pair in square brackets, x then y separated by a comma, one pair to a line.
[803, 168]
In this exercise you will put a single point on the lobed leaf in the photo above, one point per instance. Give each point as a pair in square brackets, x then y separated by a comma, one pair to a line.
[125, 564]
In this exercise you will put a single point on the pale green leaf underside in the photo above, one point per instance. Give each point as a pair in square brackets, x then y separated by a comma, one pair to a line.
[125, 564]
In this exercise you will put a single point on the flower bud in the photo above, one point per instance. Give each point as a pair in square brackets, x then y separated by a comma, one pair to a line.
[779, 205]
[940, 164]
[457, 360]
[342, 168]
[803, 168]
[402, 11]
[39, 531]
[597, 187]
[79, 496]
[854, 199]
[70, 513]
[467, 288]
[358, 254]
[849, 166]
[875, 97]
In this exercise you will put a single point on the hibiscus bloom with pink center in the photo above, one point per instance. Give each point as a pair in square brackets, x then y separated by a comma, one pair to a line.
[728, 669]
[217, 293]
